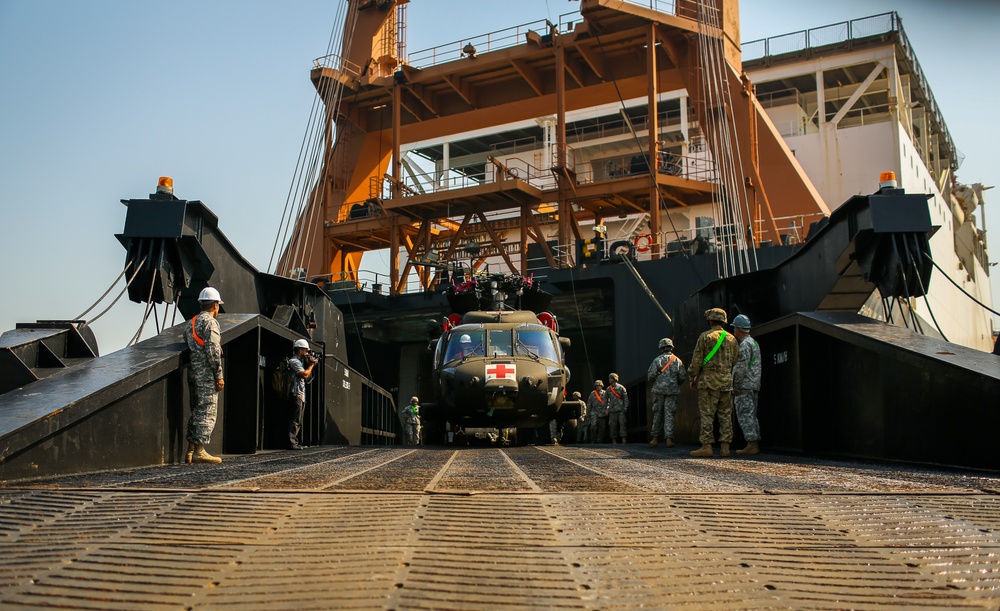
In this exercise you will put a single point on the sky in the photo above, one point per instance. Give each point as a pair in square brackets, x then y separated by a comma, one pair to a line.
[100, 98]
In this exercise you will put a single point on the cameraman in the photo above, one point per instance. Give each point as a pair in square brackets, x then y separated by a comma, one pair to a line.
[301, 366]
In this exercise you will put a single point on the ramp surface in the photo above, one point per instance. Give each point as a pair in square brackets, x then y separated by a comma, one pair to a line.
[546, 527]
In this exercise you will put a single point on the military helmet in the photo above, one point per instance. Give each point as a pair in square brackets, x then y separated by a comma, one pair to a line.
[465, 339]
[414, 400]
[598, 383]
[612, 377]
[577, 396]
[741, 322]
[666, 344]
[716, 314]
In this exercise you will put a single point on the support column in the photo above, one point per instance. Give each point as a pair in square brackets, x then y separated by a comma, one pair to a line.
[445, 165]
[654, 145]
[394, 283]
[565, 210]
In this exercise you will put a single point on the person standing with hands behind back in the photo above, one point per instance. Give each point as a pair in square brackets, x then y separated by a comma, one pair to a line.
[301, 367]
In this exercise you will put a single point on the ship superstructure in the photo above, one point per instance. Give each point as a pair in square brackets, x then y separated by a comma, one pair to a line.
[514, 147]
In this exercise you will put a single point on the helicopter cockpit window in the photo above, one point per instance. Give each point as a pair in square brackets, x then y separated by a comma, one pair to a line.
[463, 344]
[500, 342]
[537, 343]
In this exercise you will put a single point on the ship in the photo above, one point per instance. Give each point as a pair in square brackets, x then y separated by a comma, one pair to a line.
[633, 159]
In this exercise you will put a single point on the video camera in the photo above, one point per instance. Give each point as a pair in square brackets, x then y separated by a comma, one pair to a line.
[314, 356]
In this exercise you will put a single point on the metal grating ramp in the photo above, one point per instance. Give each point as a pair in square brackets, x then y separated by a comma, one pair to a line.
[522, 528]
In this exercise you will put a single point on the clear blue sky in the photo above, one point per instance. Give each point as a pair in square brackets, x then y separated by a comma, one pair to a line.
[98, 98]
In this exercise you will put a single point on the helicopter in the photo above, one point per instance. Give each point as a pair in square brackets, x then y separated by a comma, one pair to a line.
[500, 369]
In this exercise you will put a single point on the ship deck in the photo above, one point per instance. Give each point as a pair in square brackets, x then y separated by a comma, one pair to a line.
[569, 527]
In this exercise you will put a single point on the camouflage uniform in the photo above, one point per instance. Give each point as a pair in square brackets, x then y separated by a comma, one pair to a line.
[715, 383]
[204, 372]
[746, 380]
[597, 413]
[617, 401]
[583, 429]
[666, 386]
[409, 415]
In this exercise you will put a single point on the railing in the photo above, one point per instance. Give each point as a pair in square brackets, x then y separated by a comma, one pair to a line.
[513, 36]
[636, 164]
[679, 8]
[845, 32]
[338, 64]
[835, 33]
[482, 43]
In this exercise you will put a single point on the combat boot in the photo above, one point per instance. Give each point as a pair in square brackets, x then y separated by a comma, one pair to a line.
[613, 442]
[724, 449]
[751, 449]
[670, 443]
[200, 455]
[654, 442]
[705, 451]
[624, 439]
[190, 453]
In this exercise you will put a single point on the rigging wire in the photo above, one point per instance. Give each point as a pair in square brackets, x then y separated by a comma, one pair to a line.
[311, 179]
[635, 136]
[101, 298]
[150, 307]
[128, 284]
[579, 322]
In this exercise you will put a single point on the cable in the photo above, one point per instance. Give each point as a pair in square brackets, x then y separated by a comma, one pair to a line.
[983, 305]
[920, 281]
[150, 307]
[635, 136]
[128, 284]
[99, 299]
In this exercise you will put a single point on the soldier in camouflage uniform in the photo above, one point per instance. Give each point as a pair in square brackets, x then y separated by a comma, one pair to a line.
[667, 373]
[712, 370]
[410, 417]
[617, 401]
[597, 413]
[204, 340]
[583, 426]
[746, 385]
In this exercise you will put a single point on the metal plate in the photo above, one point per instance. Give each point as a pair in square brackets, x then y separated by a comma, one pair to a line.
[587, 527]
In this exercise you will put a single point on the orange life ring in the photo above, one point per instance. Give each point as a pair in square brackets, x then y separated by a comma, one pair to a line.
[643, 241]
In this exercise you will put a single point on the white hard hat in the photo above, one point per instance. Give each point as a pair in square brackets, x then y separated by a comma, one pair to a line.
[300, 343]
[210, 294]
[465, 338]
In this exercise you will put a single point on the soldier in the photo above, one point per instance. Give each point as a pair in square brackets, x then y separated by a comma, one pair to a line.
[410, 417]
[597, 412]
[583, 427]
[204, 340]
[712, 371]
[301, 367]
[667, 373]
[617, 402]
[746, 385]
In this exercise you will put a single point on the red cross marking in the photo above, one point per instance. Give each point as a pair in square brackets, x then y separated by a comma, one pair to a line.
[500, 371]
